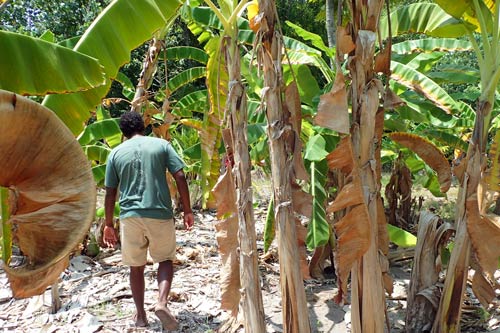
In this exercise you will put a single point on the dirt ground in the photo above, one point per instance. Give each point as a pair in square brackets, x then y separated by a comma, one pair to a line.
[96, 297]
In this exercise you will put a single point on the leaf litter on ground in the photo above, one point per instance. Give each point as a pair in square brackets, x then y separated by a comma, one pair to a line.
[96, 297]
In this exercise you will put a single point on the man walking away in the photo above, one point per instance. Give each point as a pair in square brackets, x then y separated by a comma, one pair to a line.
[137, 167]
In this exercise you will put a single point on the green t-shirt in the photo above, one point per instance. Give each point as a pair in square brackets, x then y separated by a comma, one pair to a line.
[138, 167]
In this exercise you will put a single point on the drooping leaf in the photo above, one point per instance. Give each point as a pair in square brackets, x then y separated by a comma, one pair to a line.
[484, 233]
[32, 66]
[211, 137]
[315, 39]
[333, 110]
[420, 83]
[107, 129]
[54, 191]
[427, 151]
[120, 28]
[227, 239]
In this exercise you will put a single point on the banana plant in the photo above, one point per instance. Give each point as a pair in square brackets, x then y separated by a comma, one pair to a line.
[475, 232]
[228, 103]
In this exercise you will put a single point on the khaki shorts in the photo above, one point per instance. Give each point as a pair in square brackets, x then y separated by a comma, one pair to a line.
[138, 234]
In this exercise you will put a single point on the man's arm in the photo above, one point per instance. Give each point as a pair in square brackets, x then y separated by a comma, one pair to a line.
[182, 187]
[109, 237]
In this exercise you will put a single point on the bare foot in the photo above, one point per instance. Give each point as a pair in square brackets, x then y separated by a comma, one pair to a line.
[141, 321]
[167, 319]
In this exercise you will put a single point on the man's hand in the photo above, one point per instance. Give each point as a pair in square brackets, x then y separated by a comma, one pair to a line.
[188, 220]
[109, 236]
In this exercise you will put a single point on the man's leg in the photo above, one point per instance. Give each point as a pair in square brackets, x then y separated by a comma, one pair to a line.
[137, 286]
[165, 276]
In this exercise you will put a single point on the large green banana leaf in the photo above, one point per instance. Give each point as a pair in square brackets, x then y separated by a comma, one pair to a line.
[426, 18]
[431, 45]
[417, 81]
[120, 28]
[32, 66]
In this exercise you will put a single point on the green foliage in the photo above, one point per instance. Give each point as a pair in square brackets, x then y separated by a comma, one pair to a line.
[401, 237]
[37, 67]
[270, 226]
[6, 227]
[122, 27]
[318, 230]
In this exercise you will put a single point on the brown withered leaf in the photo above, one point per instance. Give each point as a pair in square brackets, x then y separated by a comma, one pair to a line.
[301, 244]
[350, 195]
[482, 289]
[227, 239]
[292, 101]
[431, 155]
[342, 156]
[484, 232]
[391, 100]
[344, 41]
[383, 61]
[301, 201]
[45, 166]
[353, 239]
[333, 110]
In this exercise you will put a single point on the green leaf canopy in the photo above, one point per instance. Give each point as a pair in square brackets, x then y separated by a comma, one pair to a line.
[120, 28]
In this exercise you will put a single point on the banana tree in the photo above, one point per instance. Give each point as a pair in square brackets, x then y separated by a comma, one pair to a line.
[284, 118]
[476, 233]
[362, 241]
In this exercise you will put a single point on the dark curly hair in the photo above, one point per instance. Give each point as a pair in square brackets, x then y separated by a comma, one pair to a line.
[131, 123]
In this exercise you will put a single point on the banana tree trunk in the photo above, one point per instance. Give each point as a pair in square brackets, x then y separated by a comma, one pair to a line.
[149, 66]
[281, 141]
[450, 306]
[368, 295]
[251, 296]
[330, 25]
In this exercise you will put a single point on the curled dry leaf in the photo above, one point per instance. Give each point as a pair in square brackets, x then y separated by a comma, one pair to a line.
[354, 229]
[46, 167]
[429, 153]
[353, 238]
[342, 157]
[484, 233]
[333, 112]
